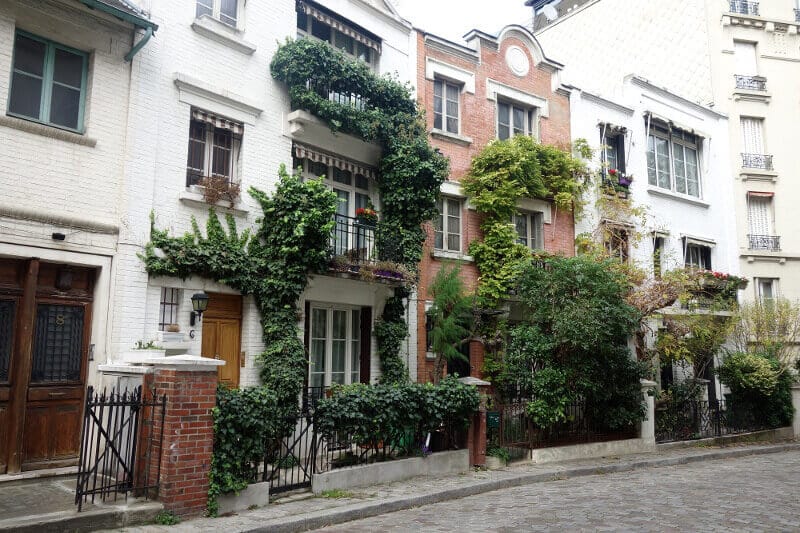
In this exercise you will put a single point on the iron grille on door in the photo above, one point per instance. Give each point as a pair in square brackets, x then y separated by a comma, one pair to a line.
[6, 335]
[58, 343]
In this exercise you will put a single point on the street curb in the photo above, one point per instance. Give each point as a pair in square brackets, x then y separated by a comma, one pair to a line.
[358, 511]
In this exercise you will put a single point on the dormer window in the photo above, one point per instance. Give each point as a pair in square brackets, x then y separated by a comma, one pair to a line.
[317, 22]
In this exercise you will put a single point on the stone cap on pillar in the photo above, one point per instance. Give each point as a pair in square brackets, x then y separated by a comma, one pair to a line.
[647, 384]
[470, 380]
[186, 363]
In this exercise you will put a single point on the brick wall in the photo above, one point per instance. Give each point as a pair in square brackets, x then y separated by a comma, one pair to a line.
[477, 114]
[188, 438]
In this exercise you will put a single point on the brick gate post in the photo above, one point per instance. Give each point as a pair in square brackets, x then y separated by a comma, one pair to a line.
[190, 385]
[476, 436]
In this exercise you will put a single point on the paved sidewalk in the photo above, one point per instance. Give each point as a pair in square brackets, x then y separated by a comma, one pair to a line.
[311, 513]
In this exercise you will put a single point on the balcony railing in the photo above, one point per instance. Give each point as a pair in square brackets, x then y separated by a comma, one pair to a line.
[326, 90]
[797, 15]
[751, 83]
[758, 161]
[765, 242]
[744, 7]
[353, 239]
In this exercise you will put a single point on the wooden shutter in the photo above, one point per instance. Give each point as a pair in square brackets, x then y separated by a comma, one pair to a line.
[307, 345]
[758, 215]
[752, 137]
[366, 344]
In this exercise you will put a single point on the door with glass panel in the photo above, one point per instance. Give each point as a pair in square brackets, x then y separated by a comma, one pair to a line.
[335, 346]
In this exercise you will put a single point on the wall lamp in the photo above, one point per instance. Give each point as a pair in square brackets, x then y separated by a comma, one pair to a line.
[199, 305]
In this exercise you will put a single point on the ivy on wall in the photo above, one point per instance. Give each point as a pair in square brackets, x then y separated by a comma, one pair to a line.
[411, 171]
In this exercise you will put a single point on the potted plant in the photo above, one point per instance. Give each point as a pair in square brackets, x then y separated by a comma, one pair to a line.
[497, 457]
[216, 188]
[143, 352]
[621, 179]
[366, 216]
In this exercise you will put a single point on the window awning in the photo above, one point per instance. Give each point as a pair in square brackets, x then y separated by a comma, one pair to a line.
[699, 241]
[651, 118]
[339, 26]
[302, 151]
[217, 121]
[758, 194]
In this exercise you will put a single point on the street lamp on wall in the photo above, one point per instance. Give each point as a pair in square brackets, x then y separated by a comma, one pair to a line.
[199, 305]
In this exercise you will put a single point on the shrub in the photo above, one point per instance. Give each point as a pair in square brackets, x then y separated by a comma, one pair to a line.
[759, 386]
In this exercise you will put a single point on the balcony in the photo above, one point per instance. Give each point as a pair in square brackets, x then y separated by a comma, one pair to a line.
[751, 83]
[744, 7]
[770, 243]
[757, 161]
[353, 240]
[796, 15]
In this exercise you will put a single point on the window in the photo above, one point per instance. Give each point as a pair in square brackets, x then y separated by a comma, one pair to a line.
[766, 290]
[530, 229]
[697, 256]
[658, 251]
[613, 153]
[214, 144]
[672, 160]
[224, 11]
[321, 24]
[745, 56]
[446, 105]
[48, 83]
[335, 346]
[168, 307]
[447, 226]
[513, 119]
[752, 135]
[615, 241]
[759, 214]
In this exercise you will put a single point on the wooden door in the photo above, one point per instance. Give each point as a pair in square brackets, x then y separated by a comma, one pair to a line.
[222, 329]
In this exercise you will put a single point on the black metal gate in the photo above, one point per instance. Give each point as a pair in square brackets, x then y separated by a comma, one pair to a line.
[290, 461]
[121, 432]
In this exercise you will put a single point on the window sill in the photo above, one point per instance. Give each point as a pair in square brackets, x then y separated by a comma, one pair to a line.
[750, 95]
[222, 33]
[452, 137]
[677, 196]
[195, 199]
[755, 174]
[47, 131]
[451, 256]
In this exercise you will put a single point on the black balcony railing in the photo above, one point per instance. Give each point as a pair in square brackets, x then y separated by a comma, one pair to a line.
[797, 15]
[353, 239]
[759, 161]
[335, 94]
[744, 7]
[751, 83]
[765, 242]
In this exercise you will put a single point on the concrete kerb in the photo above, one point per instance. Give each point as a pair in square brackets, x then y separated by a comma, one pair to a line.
[318, 519]
[110, 516]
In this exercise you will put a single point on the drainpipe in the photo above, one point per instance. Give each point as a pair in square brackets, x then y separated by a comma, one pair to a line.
[138, 46]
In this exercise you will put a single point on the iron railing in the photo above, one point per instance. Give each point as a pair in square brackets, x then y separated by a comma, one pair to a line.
[765, 242]
[517, 430]
[744, 7]
[796, 15]
[121, 445]
[698, 419]
[751, 83]
[312, 397]
[757, 161]
[353, 239]
[338, 95]
[290, 459]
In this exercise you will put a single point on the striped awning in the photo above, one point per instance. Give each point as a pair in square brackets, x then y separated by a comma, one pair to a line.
[217, 121]
[339, 26]
[760, 194]
[302, 151]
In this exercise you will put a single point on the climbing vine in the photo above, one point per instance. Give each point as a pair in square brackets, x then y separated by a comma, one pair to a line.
[378, 109]
[500, 176]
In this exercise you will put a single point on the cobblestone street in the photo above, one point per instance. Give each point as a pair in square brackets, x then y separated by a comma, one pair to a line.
[756, 493]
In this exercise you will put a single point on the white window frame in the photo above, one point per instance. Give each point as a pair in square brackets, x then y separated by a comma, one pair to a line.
[530, 119]
[534, 229]
[675, 138]
[758, 287]
[370, 192]
[216, 12]
[770, 216]
[691, 249]
[209, 153]
[443, 115]
[374, 56]
[352, 343]
[440, 225]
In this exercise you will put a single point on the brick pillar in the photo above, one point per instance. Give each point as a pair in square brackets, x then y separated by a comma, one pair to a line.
[476, 436]
[190, 384]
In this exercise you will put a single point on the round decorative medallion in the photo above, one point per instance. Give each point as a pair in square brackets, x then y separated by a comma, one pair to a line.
[517, 61]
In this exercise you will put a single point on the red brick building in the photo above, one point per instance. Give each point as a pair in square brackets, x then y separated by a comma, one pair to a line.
[494, 87]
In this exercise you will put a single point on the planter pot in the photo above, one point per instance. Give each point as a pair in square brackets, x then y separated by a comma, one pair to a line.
[494, 463]
[169, 336]
[366, 222]
[625, 182]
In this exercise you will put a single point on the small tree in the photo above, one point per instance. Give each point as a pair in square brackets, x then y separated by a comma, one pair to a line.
[771, 328]
[451, 314]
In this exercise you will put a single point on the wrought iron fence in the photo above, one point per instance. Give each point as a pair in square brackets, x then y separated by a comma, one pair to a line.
[353, 239]
[698, 419]
[289, 460]
[758, 161]
[121, 445]
[744, 7]
[751, 83]
[517, 430]
[765, 242]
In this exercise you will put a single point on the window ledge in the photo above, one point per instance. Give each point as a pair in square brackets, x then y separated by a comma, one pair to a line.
[677, 196]
[47, 131]
[755, 174]
[452, 137]
[749, 95]
[779, 257]
[195, 199]
[451, 256]
[223, 34]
